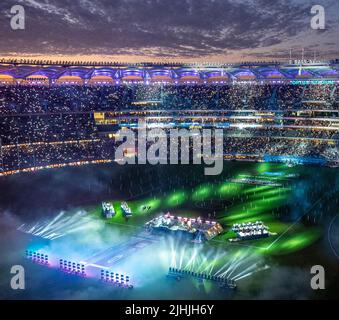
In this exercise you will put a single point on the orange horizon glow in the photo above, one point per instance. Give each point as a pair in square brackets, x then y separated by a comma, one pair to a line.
[230, 58]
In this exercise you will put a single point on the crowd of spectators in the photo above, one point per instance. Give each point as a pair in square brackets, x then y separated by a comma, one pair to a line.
[42, 125]
[45, 154]
[46, 128]
[60, 99]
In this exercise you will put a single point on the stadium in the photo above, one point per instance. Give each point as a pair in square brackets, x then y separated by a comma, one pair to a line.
[84, 221]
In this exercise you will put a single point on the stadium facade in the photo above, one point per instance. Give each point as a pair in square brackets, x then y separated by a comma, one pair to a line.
[65, 73]
[60, 114]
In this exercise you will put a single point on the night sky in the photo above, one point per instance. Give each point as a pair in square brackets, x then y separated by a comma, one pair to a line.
[186, 30]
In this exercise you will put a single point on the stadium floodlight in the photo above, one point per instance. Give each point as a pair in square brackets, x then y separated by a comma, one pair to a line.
[59, 226]
[37, 257]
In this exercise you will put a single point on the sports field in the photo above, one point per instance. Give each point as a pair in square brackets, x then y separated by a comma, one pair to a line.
[267, 194]
[293, 202]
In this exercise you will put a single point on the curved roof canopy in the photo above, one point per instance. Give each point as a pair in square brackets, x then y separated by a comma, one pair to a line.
[154, 72]
[104, 72]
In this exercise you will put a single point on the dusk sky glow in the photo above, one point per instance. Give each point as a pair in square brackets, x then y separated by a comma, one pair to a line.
[173, 30]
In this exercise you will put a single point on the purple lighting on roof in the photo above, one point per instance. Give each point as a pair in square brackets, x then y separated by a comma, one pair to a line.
[329, 72]
[161, 73]
[101, 74]
[104, 73]
[132, 73]
[215, 74]
[189, 74]
[272, 74]
[244, 74]
[176, 73]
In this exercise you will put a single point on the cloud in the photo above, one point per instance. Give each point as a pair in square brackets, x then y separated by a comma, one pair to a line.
[176, 28]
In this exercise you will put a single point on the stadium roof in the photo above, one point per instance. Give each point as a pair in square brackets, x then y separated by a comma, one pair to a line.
[176, 72]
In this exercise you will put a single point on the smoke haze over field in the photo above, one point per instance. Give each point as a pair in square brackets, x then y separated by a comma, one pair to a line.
[42, 196]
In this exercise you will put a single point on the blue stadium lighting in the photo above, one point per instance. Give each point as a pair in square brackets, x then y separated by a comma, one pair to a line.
[60, 226]
[37, 257]
[221, 280]
[72, 267]
[116, 279]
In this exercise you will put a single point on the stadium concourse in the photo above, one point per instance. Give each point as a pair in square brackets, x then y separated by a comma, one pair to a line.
[61, 114]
